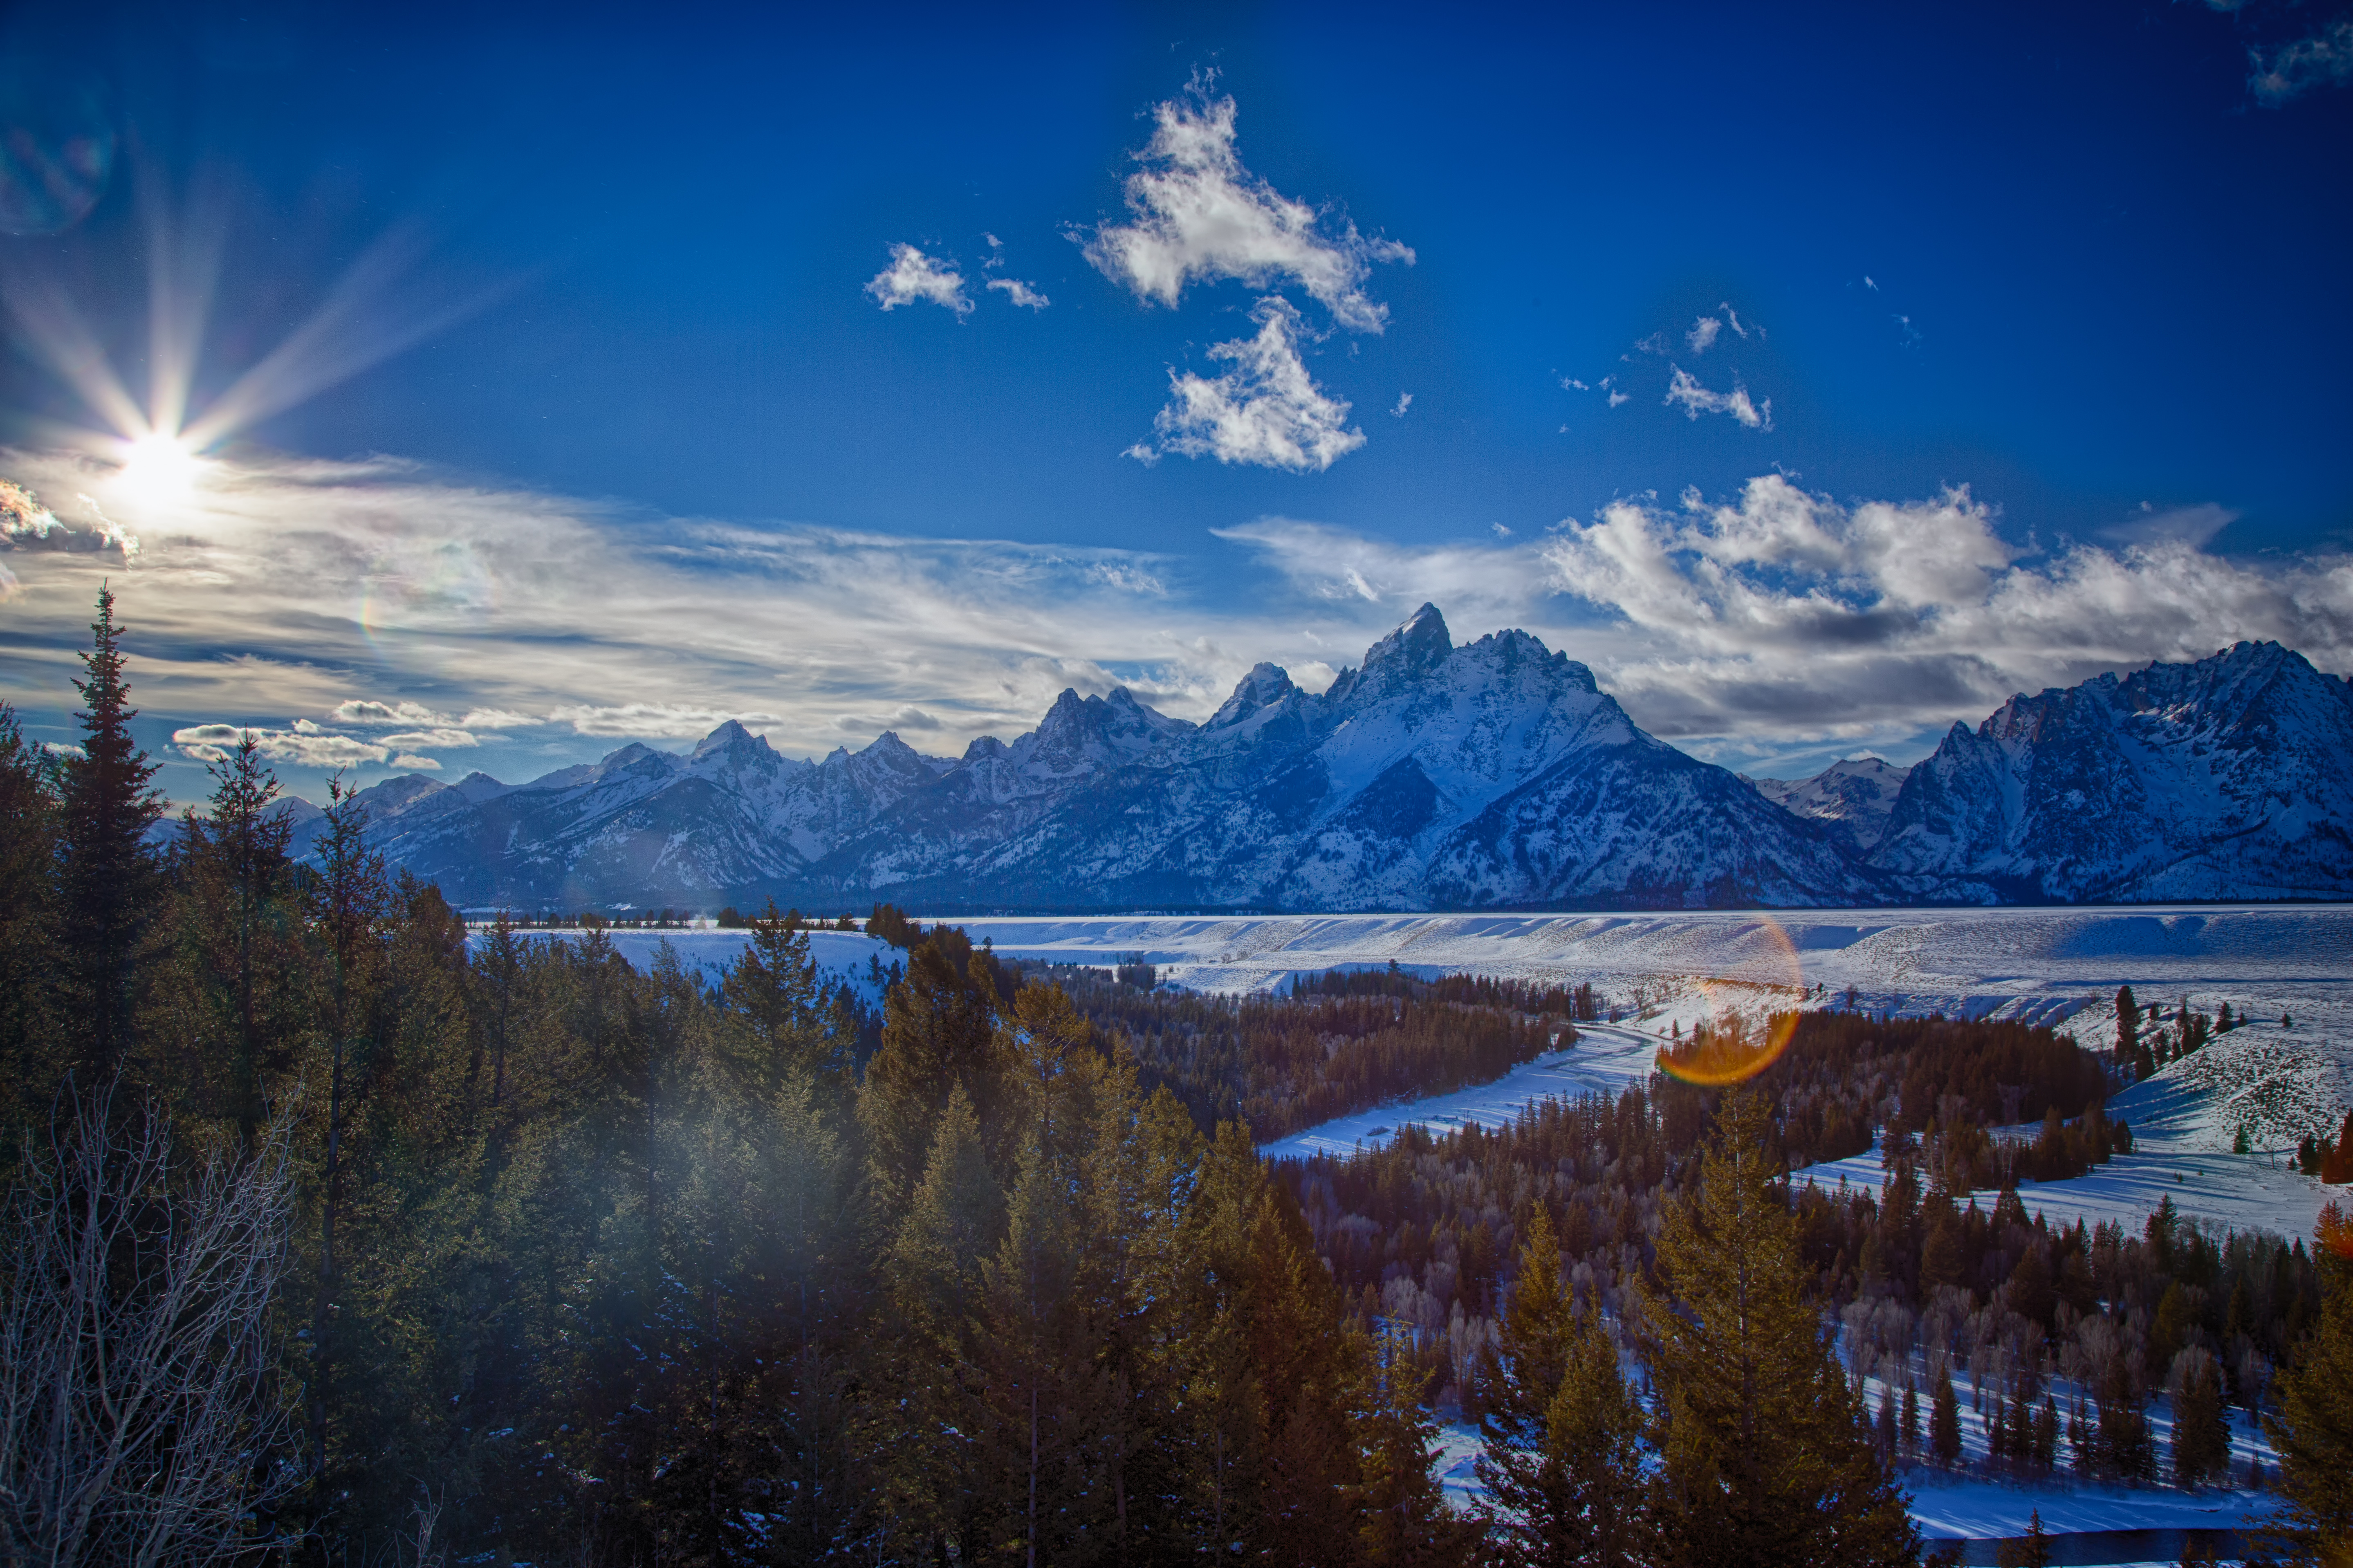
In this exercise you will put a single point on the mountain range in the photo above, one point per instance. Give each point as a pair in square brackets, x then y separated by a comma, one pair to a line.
[1494, 774]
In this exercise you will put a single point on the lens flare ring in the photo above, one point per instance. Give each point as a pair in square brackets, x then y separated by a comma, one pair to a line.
[1731, 1046]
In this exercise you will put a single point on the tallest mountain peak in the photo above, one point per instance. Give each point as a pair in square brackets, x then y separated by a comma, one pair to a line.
[1422, 640]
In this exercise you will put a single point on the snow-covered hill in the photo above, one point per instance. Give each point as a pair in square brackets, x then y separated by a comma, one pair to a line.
[1492, 775]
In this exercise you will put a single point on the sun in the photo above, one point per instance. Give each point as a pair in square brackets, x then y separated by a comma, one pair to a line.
[157, 466]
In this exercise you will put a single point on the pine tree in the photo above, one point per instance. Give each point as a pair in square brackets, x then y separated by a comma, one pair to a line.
[110, 885]
[1764, 1458]
[939, 1032]
[1562, 1434]
[2126, 1448]
[934, 1470]
[2313, 1428]
[28, 802]
[348, 898]
[773, 983]
[2127, 1028]
[2031, 1550]
[240, 930]
[1945, 1422]
[2202, 1440]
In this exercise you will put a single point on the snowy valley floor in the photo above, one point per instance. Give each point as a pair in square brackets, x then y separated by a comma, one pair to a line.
[2055, 966]
[1667, 972]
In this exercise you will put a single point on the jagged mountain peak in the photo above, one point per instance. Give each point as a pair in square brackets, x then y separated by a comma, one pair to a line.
[1262, 687]
[730, 738]
[1421, 642]
[631, 755]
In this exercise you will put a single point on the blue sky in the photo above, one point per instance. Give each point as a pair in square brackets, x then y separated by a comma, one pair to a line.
[579, 416]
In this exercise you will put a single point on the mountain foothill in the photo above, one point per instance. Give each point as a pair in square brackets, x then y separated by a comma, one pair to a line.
[1490, 774]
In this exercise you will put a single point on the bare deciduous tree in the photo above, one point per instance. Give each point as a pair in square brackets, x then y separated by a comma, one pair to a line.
[141, 1418]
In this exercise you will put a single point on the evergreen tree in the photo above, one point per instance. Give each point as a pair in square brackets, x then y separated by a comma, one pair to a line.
[28, 801]
[1764, 1458]
[934, 1474]
[773, 983]
[2031, 1550]
[2126, 1448]
[2202, 1439]
[2127, 1028]
[109, 883]
[2313, 1429]
[1945, 1422]
[1562, 1434]
[348, 898]
[1405, 1520]
[240, 933]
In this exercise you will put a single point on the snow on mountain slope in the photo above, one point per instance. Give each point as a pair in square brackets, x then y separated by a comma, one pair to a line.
[1382, 792]
[1494, 774]
[1851, 799]
[2232, 777]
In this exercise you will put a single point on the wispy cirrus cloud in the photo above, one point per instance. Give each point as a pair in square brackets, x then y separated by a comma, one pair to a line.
[362, 615]
[1198, 214]
[357, 612]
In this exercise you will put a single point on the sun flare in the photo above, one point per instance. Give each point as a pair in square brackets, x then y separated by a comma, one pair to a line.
[158, 466]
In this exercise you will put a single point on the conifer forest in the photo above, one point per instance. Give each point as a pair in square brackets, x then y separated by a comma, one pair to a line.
[340, 1234]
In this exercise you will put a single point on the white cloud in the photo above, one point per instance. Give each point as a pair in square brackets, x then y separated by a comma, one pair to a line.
[1404, 401]
[1570, 383]
[1702, 333]
[662, 721]
[912, 276]
[495, 718]
[1200, 213]
[2323, 59]
[309, 748]
[22, 513]
[1686, 392]
[1785, 612]
[1501, 531]
[1617, 397]
[1128, 579]
[285, 587]
[448, 739]
[2191, 525]
[1020, 293]
[1266, 411]
[363, 710]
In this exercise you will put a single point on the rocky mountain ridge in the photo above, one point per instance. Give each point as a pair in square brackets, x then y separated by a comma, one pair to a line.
[1492, 775]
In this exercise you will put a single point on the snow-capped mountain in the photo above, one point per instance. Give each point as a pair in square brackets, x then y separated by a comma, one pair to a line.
[2229, 778]
[1494, 774]
[1851, 799]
